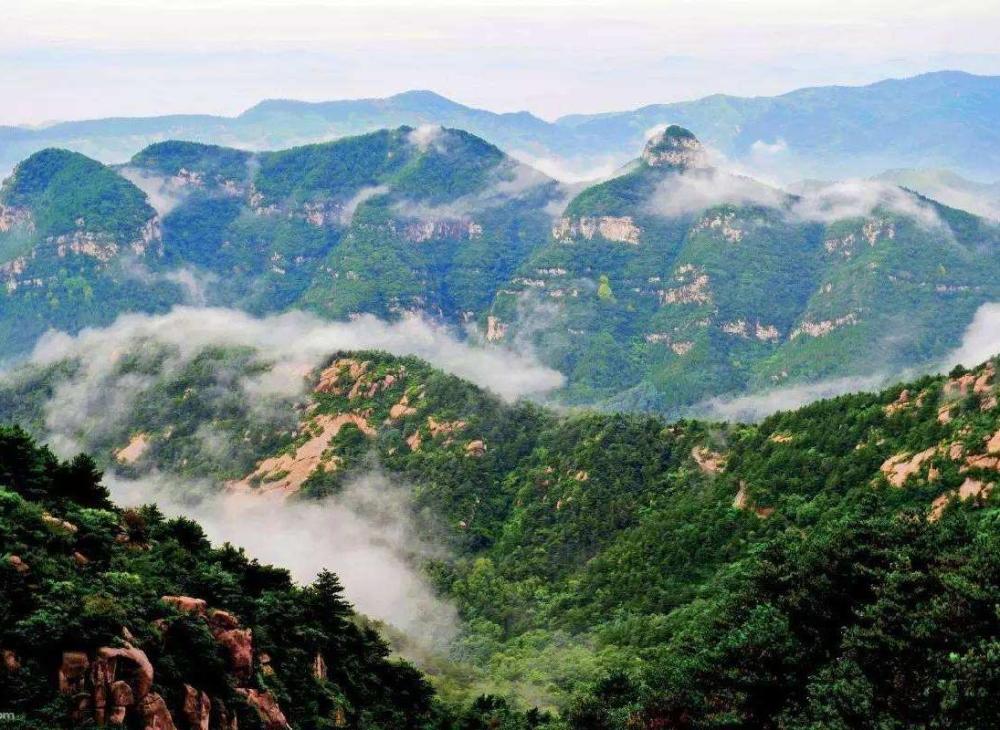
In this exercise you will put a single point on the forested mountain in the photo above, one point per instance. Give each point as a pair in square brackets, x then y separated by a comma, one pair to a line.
[629, 572]
[942, 119]
[678, 281]
[673, 282]
[410, 219]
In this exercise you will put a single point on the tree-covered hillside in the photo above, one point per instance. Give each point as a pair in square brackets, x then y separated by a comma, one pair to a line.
[827, 567]
[75, 240]
[676, 282]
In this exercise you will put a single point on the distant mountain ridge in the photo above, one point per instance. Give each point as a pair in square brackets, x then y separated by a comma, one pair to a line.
[942, 119]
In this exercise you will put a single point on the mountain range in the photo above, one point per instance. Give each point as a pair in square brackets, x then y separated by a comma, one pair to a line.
[941, 119]
[670, 283]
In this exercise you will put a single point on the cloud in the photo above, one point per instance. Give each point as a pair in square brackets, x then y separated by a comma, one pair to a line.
[861, 198]
[195, 284]
[163, 193]
[101, 390]
[508, 181]
[757, 406]
[698, 190]
[426, 136]
[760, 148]
[367, 535]
[366, 193]
[981, 340]
[573, 170]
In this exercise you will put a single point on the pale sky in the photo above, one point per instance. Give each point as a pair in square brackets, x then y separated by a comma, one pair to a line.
[85, 58]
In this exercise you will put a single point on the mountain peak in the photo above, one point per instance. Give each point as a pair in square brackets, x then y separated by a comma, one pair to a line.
[676, 147]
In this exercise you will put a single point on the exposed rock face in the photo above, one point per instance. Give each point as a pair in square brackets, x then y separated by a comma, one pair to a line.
[19, 565]
[421, 231]
[495, 329]
[694, 288]
[238, 644]
[73, 672]
[155, 714]
[620, 229]
[319, 667]
[675, 147]
[899, 468]
[723, 224]
[10, 660]
[186, 604]
[197, 708]
[475, 448]
[970, 489]
[267, 708]
[134, 450]
[825, 327]
[710, 462]
[742, 501]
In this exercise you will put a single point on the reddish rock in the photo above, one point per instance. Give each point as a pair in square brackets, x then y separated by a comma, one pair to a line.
[220, 620]
[221, 717]
[239, 646]
[80, 559]
[137, 666]
[197, 708]
[73, 672]
[155, 715]
[265, 664]
[19, 565]
[186, 604]
[319, 666]
[267, 708]
[10, 661]
[120, 698]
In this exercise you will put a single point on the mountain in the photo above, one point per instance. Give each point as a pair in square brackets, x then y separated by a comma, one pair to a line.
[942, 119]
[70, 232]
[640, 573]
[677, 281]
[391, 221]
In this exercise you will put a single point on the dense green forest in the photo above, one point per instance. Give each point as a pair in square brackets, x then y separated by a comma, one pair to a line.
[835, 566]
[672, 282]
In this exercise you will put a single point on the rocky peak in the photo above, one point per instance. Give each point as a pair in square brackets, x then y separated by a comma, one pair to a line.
[674, 147]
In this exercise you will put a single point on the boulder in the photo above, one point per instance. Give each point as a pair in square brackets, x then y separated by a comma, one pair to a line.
[138, 668]
[197, 708]
[73, 672]
[19, 565]
[238, 644]
[186, 604]
[11, 663]
[319, 666]
[155, 715]
[267, 708]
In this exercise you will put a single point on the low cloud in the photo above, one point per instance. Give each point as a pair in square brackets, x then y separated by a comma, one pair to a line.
[366, 535]
[427, 136]
[981, 340]
[364, 194]
[861, 198]
[163, 193]
[568, 170]
[693, 192]
[509, 181]
[757, 406]
[86, 404]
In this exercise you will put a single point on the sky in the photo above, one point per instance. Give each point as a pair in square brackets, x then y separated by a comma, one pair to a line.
[87, 58]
